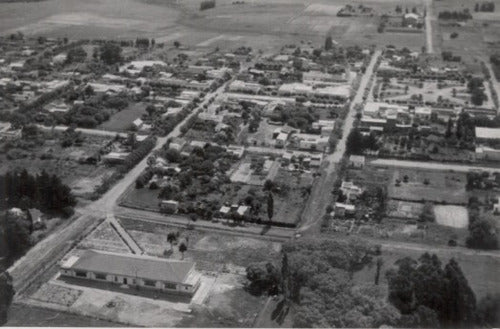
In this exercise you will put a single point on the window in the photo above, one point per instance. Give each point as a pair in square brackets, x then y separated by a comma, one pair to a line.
[100, 276]
[170, 285]
[149, 283]
[81, 274]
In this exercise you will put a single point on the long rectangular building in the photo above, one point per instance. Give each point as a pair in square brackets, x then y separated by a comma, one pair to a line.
[134, 270]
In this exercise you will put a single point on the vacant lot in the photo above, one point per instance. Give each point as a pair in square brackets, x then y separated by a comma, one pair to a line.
[23, 315]
[211, 251]
[122, 121]
[419, 185]
[453, 216]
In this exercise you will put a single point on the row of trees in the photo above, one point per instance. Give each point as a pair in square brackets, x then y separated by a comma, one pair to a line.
[487, 6]
[456, 15]
[207, 4]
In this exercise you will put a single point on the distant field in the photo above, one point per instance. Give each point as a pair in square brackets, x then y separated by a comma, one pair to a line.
[261, 24]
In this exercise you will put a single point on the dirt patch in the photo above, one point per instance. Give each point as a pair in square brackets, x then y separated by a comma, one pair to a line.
[56, 294]
[453, 216]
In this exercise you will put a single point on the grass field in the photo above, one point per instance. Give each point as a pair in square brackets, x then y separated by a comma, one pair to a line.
[122, 121]
[440, 187]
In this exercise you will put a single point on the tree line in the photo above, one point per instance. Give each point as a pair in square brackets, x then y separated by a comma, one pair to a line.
[23, 190]
[315, 280]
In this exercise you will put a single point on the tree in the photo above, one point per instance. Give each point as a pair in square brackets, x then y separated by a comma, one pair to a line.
[328, 42]
[6, 295]
[380, 262]
[270, 206]
[110, 53]
[482, 235]
[76, 55]
[449, 128]
[177, 44]
[150, 109]
[171, 238]
[427, 214]
[424, 283]
[354, 143]
[17, 229]
[182, 248]
[488, 311]
[285, 273]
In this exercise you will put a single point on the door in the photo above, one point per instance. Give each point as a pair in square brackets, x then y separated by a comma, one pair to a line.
[124, 280]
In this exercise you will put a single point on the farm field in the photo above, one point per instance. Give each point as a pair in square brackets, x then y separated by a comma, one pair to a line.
[262, 24]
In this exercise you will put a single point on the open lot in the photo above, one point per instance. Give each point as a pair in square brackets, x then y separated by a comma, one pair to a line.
[454, 216]
[122, 120]
[419, 185]
[62, 161]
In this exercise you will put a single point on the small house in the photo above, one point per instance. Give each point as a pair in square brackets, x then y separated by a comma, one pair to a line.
[357, 161]
[169, 206]
[37, 221]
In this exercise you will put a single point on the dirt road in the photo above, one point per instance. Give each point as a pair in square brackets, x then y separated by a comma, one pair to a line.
[428, 26]
[430, 165]
[351, 115]
[85, 131]
[321, 193]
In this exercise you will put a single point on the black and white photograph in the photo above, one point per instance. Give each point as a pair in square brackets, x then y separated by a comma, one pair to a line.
[250, 163]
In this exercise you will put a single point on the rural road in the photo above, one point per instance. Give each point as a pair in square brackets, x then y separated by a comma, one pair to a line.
[430, 165]
[428, 26]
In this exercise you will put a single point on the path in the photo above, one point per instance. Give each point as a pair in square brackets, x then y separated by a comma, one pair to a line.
[428, 26]
[494, 80]
[134, 247]
[430, 165]
[85, 131]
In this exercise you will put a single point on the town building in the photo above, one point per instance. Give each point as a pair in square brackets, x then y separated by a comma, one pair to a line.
[159, 274]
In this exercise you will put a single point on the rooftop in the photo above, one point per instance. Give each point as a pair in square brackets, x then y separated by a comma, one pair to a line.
[487, 133]
[144, 267]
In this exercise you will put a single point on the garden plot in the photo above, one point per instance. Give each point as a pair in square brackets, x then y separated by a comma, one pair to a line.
[404, 210]
[453, 216]
[105, 238]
